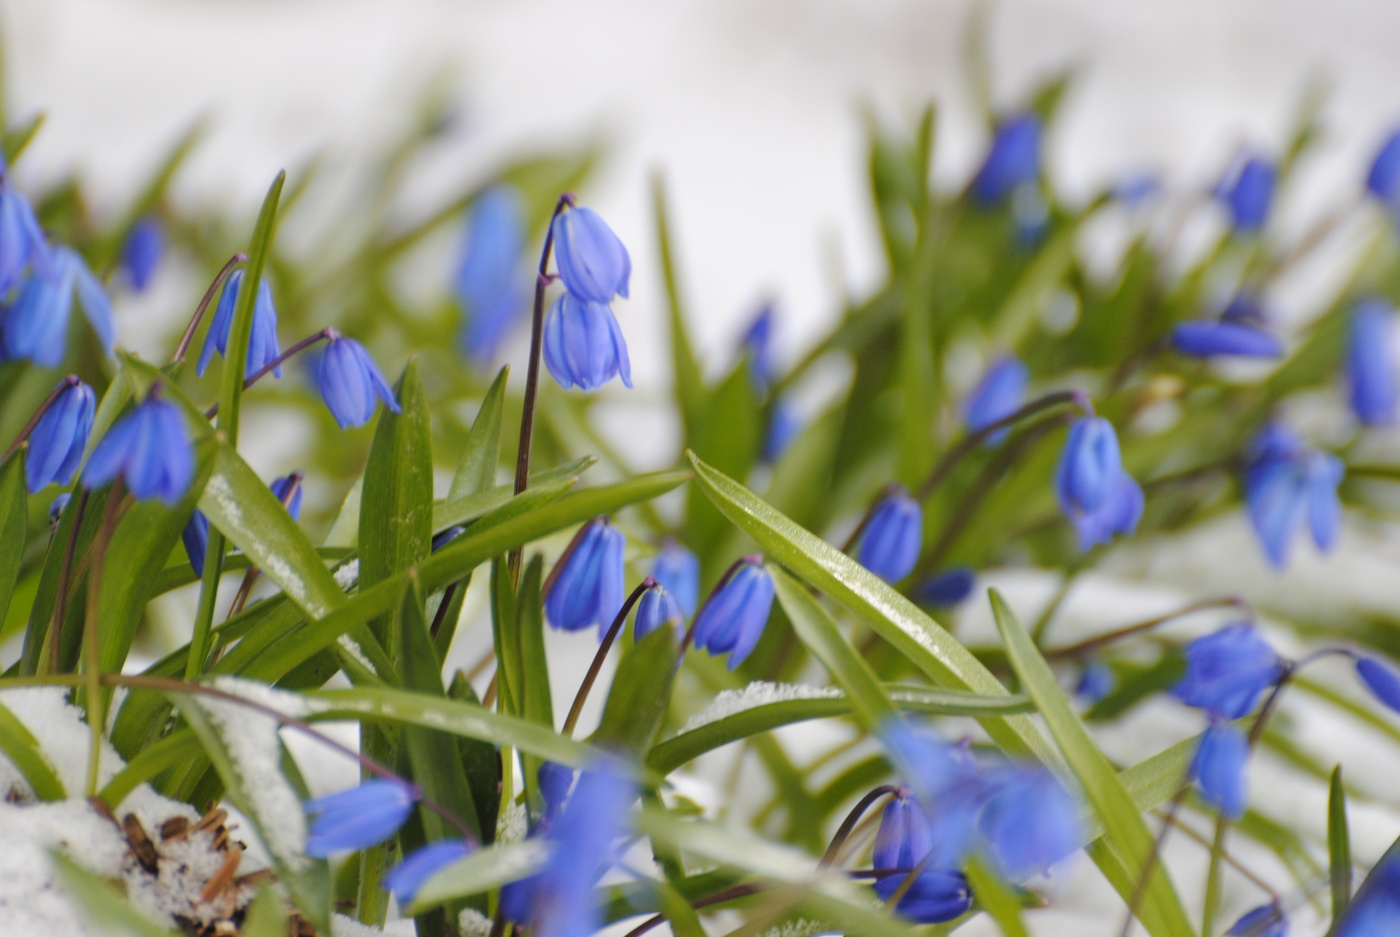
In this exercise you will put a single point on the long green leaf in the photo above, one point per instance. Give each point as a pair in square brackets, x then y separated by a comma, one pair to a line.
[1126, 834]
[20, 746]
[685, 369]
[481, 871]
[14, 522]
[1338, 846]
[727, 434]
[476, 469]
[640, 693]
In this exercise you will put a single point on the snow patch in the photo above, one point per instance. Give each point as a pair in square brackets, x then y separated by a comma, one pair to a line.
[473, 923]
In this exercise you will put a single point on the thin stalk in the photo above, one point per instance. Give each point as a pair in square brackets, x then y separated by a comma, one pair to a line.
[854, 538]
[1154, 857]
[1052, 608]
[593, 668]
[719, 897]
[219, 278]
[60, 608]
[1088, 645]
[843, 833]
[91, 647]
[532, 371]
[548, 586]
[71, 380]
[1230, 860]
[324, 335]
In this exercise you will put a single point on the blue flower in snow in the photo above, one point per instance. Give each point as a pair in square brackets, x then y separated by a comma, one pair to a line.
[489, 289]
[1286, 483]
[999, 393]
[1370, 362]
[583, 344]
[262, 341]
[1219, 767]
[149, 448]
[142, 250]
[358, 818]
[404, 879]
[1227, 671]
[1247, 191]
[655, 608]
[1012, 161]
[733, 618]
[35, 328]
[349, 380]
[592, 261]
[21, 241]
[56, 445]
[678, 570]
[893, 536]
[588, 586]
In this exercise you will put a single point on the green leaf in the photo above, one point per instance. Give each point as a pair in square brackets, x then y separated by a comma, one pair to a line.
[476, 470]
[18, 137]
[178, 748]
[726, 434]
[1127, 836]
[501, 502]
[889, 614]
[996, 898]
[509, 675]
[533, 689]
[221, 729]
[816, 629]
[687, 746]
[1338, 846]
[265, 916]
[640, 693]
[918, 371]
[481, 871]
[14, 528]
[103, 904]
[685, 369]
[20, 746]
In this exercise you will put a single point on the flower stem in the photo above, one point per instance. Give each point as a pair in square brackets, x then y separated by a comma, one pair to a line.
[92, 650]
[198, 316]
[60, 610]
[532, 371]
[324, 335]
[833, 851]
[592, 676]
[1089, 645]
[71, 380]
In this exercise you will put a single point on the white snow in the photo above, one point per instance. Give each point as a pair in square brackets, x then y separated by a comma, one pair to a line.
[473, 923]
[758, 693]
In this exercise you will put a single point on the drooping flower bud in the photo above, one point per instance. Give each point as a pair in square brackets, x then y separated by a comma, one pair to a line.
[359, 817]
[948, 588]
[1089, 465]
[1212, 339]
[1012, 161]
[733, 618]
[1287, 484]
[677, 569]
[1381, 680]
[349, 382]
[655, 608]
[150, 449]
[592, 261]
[56, 445]
[35, 328]
[1219, 767]
[141, 252]
[588, 589]
[1264, 921]
[405, 879]
[489, 288]
[1371, 364]
[893, 536]
[583, 344]
[999, 393]
[21, 240]
[1227, 671]
[1383, 181]
[262, 340]
[1247, 191]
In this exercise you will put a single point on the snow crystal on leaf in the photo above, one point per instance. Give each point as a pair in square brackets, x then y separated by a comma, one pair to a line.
[758, 693]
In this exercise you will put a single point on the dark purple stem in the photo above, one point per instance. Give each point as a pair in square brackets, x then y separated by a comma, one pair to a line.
[71, 380]
[198, 316]
[325, 334]
[592, 676]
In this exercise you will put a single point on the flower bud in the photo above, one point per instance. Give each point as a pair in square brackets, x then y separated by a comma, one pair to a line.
[893, 536]
[588, 588]
[150, 449]
[583, 344]
[359, 817]
[1370, 363]
[655, 608]
[592, 261]
[262, 340]
[1012, 161]
[1219, 767]
[405, 879]
[999, 394]
[1247, 191]
[677, 569]
[733, 618]
[56, 445]
[349, 380]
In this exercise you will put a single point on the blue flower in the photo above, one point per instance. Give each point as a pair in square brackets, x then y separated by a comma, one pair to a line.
[937, 895]
[592, 261]
[1118, 514]
[588, 584]
[21, 241]
[1209, 339]
[1100, 499]
[1030, 822]
[1287, 482]
[784, 424]
[289, 483]
[489, 290]
[404, 879]
[1245, 308]
[149, 448]
[733, 617]
[1246, 191]
[583, 839]
[349, 381]
[1135, 190]
[195, 537]
[946, 783]
[141, 251]
[1384, 178]
[678, 570]
[655, 608]
[1376, 908]
[36, 327]
[56, 507]
[1227, 671]
[1370, 366]
[359, 817]
[1096, 681]
[949, 587]
[904, 839]
[999, 394]
[262, 341]
[583, 344]
[555, 781]
[1264, 921]
[893, 536]
[1012, 161]
[1219, 767]
[758, 345]
[57, 442]
[1382, 681]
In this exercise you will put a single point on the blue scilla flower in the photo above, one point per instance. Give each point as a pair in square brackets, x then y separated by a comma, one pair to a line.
[56, 445]
[1381, 680]
[404, 879]
[946, 784]
[142, 251]
[592, 261]
[149, 448]
[555, 782]
[1227, 671]
[1383, 180]
[21, 241]
[733, 617]
[488, 288]
[893, 536]
[35, 328]
[56, 507]
[903, 841]
[1247, 191]
[195, 537]
[655, 608]
[360, 817]
[784, 424]
[677, 569]
[262, 341]
[287, 485]
[1137, 189]
[999, 393]
[1012, 161]
[1089, 465]
[1288, 484]
[1219, 767]
[1117, 515]
[1245, 308]
[948, 588]
[1370, 362]
[1213, 339]
[1029, 821]
[1264, 921]
[1096, 681]
[584, 839]
[349, 382]
[1376, 908]
[583, 344]
[758, 346]
[588, 585]
[936, 895]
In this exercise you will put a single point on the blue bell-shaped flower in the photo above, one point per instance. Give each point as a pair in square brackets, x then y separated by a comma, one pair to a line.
[1012, 161]
[677, 569]
[489, 288]
[1381, 680]
[1117, 515]
[1375, 910]
[758, 345]
[1213, 339]
[588, 586]
[1089, 465]
[405, 879]
[592, 261]
[1370, 362]
[56, 445]
[142, 250]
[35, 328]
[349, 381]
[358, 818]
[1264, 921]
[1287, 484]
[655, 608]
[1227, 671]
[784, 424]
[262, 341]
[1000, 393]
[1029, 821]
[948, 588]
[903, 841]
[1383, 181]
[1247, 191]
[583, 344]
[732, 619]
[936, 896]
[893, 536]
[21, 240]
[1219, 767]
[195, 538]
[149, 448]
